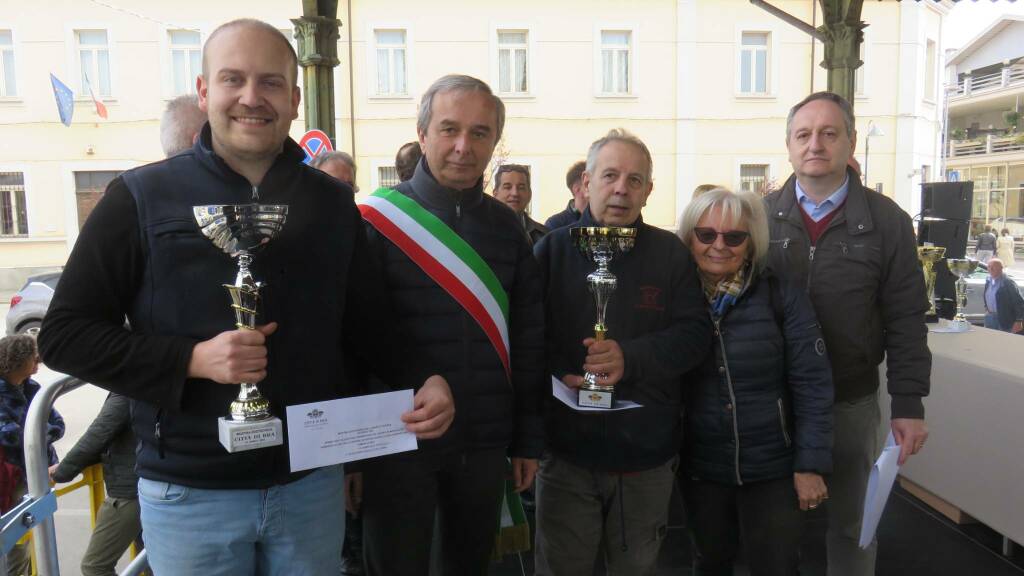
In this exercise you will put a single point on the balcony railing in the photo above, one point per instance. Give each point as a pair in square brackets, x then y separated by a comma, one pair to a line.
[990, 145]
[1008, 76]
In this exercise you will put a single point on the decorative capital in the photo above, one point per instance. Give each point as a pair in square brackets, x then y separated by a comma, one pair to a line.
[317, 39]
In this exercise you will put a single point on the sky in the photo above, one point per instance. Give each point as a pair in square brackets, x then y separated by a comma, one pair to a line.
[969, 18]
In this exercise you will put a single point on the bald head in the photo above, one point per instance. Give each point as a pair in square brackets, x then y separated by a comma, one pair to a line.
[254, 24]
[995, 267]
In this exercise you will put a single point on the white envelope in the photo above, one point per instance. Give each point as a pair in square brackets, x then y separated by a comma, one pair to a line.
[883, 474]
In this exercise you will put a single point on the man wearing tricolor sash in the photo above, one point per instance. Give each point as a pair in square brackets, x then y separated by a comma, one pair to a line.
[607, 476]
[466, 291]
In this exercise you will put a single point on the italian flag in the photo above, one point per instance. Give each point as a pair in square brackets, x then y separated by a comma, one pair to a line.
[446, 258]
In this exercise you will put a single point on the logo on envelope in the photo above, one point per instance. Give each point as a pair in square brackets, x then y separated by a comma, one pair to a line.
[315, 417]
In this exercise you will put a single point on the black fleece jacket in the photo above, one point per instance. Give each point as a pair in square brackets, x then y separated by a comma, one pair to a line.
[658, 317]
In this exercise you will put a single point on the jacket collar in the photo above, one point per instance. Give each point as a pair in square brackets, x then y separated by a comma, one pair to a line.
[441, 197]
[855, 212]
[279, 177]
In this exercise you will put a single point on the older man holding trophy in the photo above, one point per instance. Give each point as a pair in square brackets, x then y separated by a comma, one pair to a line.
[626, 320]
[238, 210]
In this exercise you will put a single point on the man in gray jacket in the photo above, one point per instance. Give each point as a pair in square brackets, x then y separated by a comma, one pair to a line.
[854, 249]
[109, 440]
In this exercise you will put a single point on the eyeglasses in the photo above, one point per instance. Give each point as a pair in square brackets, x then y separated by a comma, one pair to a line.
[732, 238]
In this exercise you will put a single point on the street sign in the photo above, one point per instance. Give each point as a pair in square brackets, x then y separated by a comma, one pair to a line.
[315, 143]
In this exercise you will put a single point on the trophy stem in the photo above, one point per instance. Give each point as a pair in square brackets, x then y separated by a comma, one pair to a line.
[961, 299]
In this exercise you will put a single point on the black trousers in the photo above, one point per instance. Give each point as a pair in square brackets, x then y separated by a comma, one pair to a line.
[401, 496]
[766, 515]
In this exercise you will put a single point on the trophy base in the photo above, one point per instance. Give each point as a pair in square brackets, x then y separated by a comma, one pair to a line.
[242, 435]
[595, 398]
[959, 325]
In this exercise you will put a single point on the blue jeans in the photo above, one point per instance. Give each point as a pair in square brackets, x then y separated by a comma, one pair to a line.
[292, 529]
[992, 321]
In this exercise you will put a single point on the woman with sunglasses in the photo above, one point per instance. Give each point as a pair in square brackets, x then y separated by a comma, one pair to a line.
[758, 416]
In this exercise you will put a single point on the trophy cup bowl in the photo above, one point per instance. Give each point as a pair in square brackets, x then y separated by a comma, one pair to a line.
[928, 256]
[241, 230]
[962, 267]
[600, 245]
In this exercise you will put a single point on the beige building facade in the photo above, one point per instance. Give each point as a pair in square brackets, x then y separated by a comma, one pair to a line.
[706, 83]
[985, 91]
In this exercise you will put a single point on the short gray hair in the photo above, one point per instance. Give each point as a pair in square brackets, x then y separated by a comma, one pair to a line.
[458, 83]
[15, 351]
[619, 135]
[843, 103]
[745, 207]
[333, 155]
[181, 121]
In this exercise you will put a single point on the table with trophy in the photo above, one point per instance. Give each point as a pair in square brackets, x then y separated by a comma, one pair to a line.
[972, 463]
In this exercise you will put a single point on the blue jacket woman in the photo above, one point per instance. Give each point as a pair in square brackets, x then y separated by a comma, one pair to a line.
[758, 432]
[19, 360]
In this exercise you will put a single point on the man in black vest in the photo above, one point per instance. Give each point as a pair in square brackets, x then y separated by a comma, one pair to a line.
[460, 476]
[142, 256]
[855, 251]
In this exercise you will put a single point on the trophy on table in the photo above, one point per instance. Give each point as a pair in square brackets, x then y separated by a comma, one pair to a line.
[929, 255]
[600, 245]
[962, 267]
[240, 230]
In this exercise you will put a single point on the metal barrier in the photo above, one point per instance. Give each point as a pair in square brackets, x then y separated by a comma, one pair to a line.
[36, 510]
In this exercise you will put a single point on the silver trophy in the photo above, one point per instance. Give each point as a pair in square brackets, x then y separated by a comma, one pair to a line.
[240, 230]
[962, 267]
[600, 245]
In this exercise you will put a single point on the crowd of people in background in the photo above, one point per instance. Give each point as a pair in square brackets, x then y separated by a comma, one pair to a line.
[755, 392]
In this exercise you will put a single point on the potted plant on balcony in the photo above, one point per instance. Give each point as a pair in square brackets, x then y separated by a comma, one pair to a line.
[958, 134]
[1012, 119]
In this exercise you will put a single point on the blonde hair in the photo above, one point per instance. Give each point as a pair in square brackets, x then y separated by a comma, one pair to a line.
[738, 207]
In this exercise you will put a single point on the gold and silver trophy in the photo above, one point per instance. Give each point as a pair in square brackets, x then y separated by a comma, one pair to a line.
[962, 267]
[600, 245]
[929, 255]
[240, 230]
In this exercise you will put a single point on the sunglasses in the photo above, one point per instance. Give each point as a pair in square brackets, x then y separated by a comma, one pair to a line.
[732, 238]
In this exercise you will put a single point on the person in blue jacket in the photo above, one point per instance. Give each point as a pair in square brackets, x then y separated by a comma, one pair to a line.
[19, 360]
[758, 411]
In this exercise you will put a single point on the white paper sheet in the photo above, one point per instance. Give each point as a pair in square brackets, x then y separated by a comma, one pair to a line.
[568, 397]
[349, 429]
[883, 474]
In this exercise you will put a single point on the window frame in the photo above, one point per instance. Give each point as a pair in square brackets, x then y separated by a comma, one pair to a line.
[167, 63]
[26, 184]
[495, 46]
[931, 73]
[634, 60]
[862, 92]
[371, 60]
[18, 84]
[73, 59]
[68, 170]
[772, 61]
[740, 163]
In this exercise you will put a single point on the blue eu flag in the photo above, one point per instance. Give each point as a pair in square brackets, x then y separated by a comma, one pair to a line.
[65, 100]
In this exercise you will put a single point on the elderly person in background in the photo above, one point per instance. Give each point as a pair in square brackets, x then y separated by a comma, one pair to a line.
[758, 413]
[1005, 248]
[19, 360]
[512, 188]
[180, 125]
[340, 165]
[406, 159]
